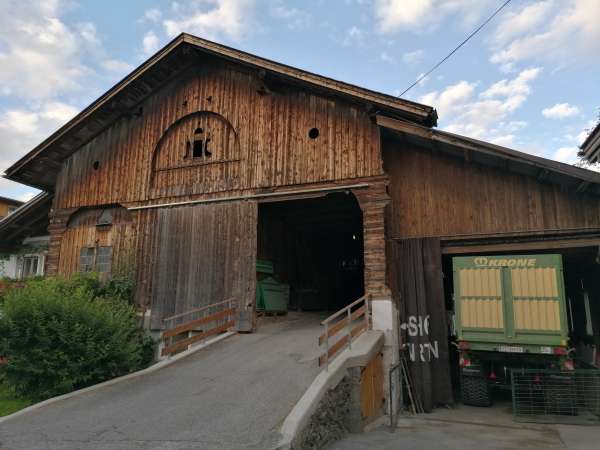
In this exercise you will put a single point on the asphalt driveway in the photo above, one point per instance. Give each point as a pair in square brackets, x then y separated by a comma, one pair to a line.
[472, 428]
[232, 395]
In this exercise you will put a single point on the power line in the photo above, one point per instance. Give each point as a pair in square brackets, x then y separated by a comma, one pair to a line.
[422, 77]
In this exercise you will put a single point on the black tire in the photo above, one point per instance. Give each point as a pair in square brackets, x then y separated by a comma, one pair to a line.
[475, 391]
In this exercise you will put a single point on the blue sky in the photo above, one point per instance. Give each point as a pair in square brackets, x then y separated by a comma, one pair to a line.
[530, 80]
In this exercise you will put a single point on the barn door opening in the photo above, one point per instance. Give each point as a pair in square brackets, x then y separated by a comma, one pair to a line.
[205, 254]
[310, 250]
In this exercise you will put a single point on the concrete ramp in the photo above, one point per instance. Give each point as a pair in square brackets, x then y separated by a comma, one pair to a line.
[232, 395]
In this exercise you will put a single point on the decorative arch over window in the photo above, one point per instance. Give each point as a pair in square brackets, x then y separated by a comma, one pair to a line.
[198, 148]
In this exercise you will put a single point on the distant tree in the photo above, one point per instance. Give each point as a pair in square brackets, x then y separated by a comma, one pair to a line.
[583, 163]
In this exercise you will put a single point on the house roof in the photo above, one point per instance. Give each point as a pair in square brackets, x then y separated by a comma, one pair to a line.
[30, 219]
[41, 165]
[10, 201]
[590, 149]
[567, 175]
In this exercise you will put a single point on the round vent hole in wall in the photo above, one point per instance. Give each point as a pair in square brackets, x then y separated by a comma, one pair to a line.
[313, 133]
[96, 165]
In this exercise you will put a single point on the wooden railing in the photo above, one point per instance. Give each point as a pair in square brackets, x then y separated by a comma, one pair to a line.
[345, 325]
[198, 324]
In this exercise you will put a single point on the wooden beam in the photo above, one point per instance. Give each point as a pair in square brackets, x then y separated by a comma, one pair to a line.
[521, 246]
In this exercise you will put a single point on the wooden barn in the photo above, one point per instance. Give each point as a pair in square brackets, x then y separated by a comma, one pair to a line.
[206, 159]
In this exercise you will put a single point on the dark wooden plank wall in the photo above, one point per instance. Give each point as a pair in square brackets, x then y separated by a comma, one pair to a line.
[416, 281]
[204, 254]
[274, 147]
[438, 195]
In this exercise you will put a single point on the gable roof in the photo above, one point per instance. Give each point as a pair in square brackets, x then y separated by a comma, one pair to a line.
[30, 219]
[567, 175]
[10, 201]
[40, 166]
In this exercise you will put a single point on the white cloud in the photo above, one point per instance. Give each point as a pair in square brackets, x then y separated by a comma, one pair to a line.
[33, 38]
[484, 115]
[413, 58]
[354, 35]
[117, 66]
[560, 111]
[23, 129]
[396, 15]
[151, 15]
[450, 98]
[566, 154]
[559, 31]
[385, 57]
[528, 18]
[211, 18]
[296, 18]
[150, 44]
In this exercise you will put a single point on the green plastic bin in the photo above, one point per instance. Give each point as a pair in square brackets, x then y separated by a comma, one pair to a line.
[272, 296]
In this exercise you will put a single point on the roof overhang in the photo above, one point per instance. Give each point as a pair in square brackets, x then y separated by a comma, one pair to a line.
[41, 165]
[571, 177]
[30, 219]
[590, 149]
[10, 201]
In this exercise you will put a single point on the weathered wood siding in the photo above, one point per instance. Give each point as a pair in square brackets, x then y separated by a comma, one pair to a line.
[204, 254]
[81, 231]
[437, 195]
[259, 140]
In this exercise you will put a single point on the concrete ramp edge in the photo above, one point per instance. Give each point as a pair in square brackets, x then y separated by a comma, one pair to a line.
[363, 350]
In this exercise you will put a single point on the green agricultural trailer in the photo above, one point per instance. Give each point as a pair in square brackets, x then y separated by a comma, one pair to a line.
[510, 314]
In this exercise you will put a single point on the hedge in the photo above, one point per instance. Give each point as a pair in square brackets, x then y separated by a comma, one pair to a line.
[61, 335]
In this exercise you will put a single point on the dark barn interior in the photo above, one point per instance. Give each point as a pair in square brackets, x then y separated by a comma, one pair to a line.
[316, 247]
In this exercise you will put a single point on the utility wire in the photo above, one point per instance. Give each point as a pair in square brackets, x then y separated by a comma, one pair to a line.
[422, 77]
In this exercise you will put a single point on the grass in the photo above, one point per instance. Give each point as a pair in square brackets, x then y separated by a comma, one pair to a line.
[9, 402]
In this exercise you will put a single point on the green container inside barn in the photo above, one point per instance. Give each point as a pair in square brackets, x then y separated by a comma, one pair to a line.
[271, 295]
[264, 267]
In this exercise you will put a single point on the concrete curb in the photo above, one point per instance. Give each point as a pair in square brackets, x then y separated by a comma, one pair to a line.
[153, 368]
[362, 351]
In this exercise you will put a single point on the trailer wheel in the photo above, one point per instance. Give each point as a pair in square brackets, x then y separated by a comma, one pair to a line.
[475, 391]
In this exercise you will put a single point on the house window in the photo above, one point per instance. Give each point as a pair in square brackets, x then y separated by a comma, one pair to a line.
[11, 209]
[30, 266]
[95, 259]
[86, 259]
[103, 259]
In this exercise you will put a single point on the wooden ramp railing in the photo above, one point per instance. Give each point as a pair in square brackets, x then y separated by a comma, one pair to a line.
[345, 325]
[198, 324]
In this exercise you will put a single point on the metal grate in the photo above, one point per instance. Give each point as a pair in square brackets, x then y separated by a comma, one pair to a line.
[554, 396]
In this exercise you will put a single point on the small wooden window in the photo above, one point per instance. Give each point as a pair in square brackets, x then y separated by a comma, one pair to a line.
[103, 259]
[86, 259]
[95, 259]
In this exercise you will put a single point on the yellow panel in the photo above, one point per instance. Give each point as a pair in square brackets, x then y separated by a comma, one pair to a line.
[535, 293]
[534, 282]
[481, 313]
[480, 297]
[480, 282]
[537, 315]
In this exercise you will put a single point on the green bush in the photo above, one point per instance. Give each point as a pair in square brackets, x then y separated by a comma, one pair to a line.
[60, 336]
